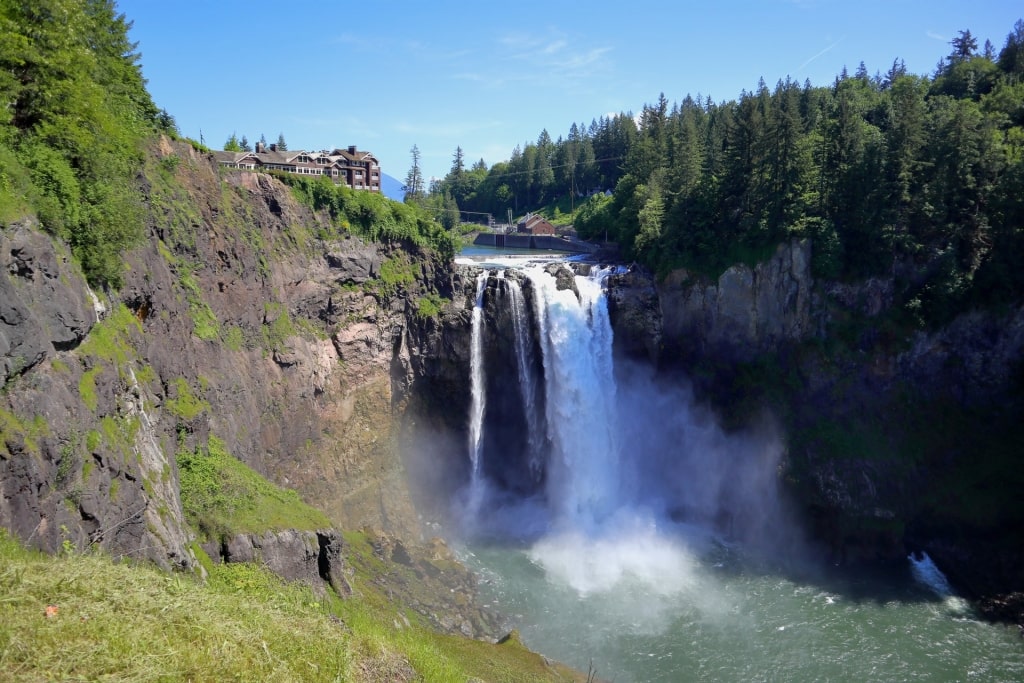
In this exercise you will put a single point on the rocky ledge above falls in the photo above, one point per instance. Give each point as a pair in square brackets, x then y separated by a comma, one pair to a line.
[745, 312]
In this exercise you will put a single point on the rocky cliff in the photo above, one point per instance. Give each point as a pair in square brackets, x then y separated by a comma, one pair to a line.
[899, 438]
[244, 316]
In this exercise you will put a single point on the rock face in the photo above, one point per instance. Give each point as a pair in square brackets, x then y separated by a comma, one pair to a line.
[746, 312]
[312, 557]
[634, 308]
[62, 479]
[885, 427]
[233, 322]
[44, 304]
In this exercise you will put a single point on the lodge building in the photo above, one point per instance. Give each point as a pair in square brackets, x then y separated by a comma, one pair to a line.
[354, 168]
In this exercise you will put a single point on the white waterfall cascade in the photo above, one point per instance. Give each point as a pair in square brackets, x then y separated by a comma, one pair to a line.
[924, 571]
[576, 339]
[592, 534]
[527, 382]
[477, 407]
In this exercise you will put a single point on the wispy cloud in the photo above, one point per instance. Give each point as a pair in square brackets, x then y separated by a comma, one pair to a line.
[448, 129]
[354, 40]
[812, 58]
[551, 56]
[936, 36]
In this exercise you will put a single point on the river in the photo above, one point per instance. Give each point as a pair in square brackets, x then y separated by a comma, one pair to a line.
[722, 617]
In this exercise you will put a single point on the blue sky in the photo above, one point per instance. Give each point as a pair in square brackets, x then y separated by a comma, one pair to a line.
[491, 75]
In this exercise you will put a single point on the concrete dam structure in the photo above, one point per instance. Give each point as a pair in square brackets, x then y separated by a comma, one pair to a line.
[524, 241]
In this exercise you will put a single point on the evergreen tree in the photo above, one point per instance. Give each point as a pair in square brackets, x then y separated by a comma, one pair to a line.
[166, 123]
[244, 144]
[964, 45]
[282, 146]
[1011, 57]
[414, 178]
[232, 144]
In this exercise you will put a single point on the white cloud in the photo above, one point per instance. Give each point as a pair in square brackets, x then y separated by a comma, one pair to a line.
[936, 36]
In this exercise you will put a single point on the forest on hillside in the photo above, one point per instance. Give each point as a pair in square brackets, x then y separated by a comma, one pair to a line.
[73, 126]
[899, 175]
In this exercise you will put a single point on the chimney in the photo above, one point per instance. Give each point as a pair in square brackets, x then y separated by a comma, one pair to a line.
[351, 149]
[259, 148]
[273, 146]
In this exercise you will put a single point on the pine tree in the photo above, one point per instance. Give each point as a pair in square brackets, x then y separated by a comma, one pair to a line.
[414, 178]
[282, 146]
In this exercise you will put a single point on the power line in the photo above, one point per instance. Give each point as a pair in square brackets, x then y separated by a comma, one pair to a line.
[575, 163]
[533, 170]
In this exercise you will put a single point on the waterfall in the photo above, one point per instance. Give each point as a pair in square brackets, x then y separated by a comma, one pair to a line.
[527, 382]
[580, 392]
[926, 573]
[609, 475]
[477, 406]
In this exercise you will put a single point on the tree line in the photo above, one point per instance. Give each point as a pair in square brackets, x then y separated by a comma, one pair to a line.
[73, 126]
[916, 177]
[236, 144]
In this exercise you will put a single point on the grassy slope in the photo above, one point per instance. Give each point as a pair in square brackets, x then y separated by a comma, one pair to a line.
[125, 622]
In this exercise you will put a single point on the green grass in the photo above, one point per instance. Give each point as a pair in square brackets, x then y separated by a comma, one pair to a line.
[24, 432]
[430, 306]
[222, 495]
[396, 273]
[126, 622]
[277, 332]
[185, 404]
[87, 387]
[109, 339]
[205, 324]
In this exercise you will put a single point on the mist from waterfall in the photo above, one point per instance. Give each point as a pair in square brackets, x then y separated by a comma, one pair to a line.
[635, 480]
[621, 527]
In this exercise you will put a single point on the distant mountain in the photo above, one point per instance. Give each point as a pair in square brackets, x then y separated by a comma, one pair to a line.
[392, 187]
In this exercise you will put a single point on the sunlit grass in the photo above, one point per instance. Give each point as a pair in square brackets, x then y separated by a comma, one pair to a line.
[128, 622]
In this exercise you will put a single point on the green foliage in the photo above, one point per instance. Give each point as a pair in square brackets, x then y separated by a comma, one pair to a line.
[110, 339]
[280, 327]
[184, 404]
[87, 387]
[92, 440]
[119, 433]
[232, 144]
[372, 215]
[233, 338]
[395, 274]
[430, 306]
[594, 220]
[221, 495]
[16, 188]
[71, 135]
[205, 324]
[16, 432]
